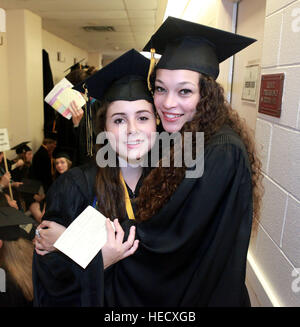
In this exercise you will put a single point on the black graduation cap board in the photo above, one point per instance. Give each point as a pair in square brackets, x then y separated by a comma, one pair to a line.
[75, 66]
[22, 147]
[122, 79]
[63, 153]
[10, 219]
[192, 46]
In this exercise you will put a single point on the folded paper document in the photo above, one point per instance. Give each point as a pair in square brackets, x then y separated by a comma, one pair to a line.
[61, 95]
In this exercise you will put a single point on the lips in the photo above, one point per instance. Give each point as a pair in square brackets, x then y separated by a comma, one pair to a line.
[134, 143]
[171, 117]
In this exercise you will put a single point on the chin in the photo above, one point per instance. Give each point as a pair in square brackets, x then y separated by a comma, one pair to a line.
[171, 127]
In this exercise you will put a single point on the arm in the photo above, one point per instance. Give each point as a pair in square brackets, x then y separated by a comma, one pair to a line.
[113, 251]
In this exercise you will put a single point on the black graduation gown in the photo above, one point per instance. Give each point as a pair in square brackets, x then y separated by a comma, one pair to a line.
[13, 295]
[192, 253]
[41, 168]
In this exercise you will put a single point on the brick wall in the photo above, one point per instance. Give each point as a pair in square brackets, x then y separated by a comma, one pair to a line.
[276, 248]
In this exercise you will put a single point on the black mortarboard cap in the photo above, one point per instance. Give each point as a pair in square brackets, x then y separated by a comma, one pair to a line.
[75, 66]
[22, 147]
[10, 219]
[192, 46]
[123, 79]
[61, 152]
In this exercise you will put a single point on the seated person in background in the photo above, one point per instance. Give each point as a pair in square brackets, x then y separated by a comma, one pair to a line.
[42, 168]
[63, 161]
[16, 252]
[5, 199]
[32, 202]
[5, 180]
[20, 169]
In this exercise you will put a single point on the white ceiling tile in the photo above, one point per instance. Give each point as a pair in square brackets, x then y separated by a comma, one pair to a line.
[141, 21]
[63, 5]
[113, 14]
[143, 29]
[141, 4]
[133, 20]
[141, 14]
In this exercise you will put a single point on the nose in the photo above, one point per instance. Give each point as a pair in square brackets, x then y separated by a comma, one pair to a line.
[132, 127]
[169, 101]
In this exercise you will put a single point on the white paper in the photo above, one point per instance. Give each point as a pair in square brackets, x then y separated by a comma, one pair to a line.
[61, 95]
[4, 141]
[84, 237]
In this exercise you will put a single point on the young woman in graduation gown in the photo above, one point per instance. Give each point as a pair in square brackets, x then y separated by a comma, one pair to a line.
[193, 232]
[128, 114]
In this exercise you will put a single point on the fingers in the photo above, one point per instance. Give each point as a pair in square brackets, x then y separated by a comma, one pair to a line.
[132, 250]
[45, 223]
[110, 231]
[128, 244]
[119, 232]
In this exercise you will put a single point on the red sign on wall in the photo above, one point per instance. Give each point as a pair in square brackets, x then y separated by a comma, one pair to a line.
[270, 98]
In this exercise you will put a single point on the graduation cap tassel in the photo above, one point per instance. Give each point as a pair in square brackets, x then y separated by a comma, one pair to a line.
[89, 130]
[88, 123]
[151, 67]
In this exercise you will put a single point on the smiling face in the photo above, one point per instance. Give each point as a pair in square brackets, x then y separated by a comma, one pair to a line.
[130, 125]
[176, 96]
[61, 165]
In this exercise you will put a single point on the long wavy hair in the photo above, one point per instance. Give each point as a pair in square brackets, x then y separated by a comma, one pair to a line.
[16, 259]
[212, 112]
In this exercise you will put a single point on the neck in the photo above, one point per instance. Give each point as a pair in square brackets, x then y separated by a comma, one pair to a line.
[131, 174]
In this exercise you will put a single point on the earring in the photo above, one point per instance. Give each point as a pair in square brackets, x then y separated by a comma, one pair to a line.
[157, 120]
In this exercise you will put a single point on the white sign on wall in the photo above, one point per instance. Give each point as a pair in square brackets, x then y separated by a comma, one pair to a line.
[4, 141]
[2, 20]
[250, 83]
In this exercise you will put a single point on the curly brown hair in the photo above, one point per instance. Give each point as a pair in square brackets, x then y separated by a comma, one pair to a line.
[213, 111]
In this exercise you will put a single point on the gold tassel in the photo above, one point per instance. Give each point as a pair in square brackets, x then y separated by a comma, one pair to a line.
[151, 68]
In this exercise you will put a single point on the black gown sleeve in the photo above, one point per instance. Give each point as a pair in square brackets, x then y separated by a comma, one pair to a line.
[58, 280]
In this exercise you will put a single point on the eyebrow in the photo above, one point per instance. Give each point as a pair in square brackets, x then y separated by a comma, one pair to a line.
[180, 83]
[124, 114]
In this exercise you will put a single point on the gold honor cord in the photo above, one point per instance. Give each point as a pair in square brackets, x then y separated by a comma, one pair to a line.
[127, 199]
[151, 68]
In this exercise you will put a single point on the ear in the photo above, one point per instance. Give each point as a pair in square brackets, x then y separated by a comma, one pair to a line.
[1, 243]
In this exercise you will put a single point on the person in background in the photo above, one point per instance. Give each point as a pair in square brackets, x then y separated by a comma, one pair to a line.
[63, 161]
[42, 168]
[5, 180]
[20, 168]
[72, 134]
[16, 250]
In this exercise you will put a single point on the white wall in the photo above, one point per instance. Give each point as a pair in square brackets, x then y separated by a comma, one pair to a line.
[21, 91]
[53, 44]
[250, 22]
[275, 249]
[25, 79]
[4, 107]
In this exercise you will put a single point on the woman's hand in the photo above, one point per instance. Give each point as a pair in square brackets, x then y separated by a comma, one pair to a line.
[77, 113]
[47, 236]
[19, 163]
[16, 184]
[39, 197]
[11, 203]
[115, 249]
[5, 179]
